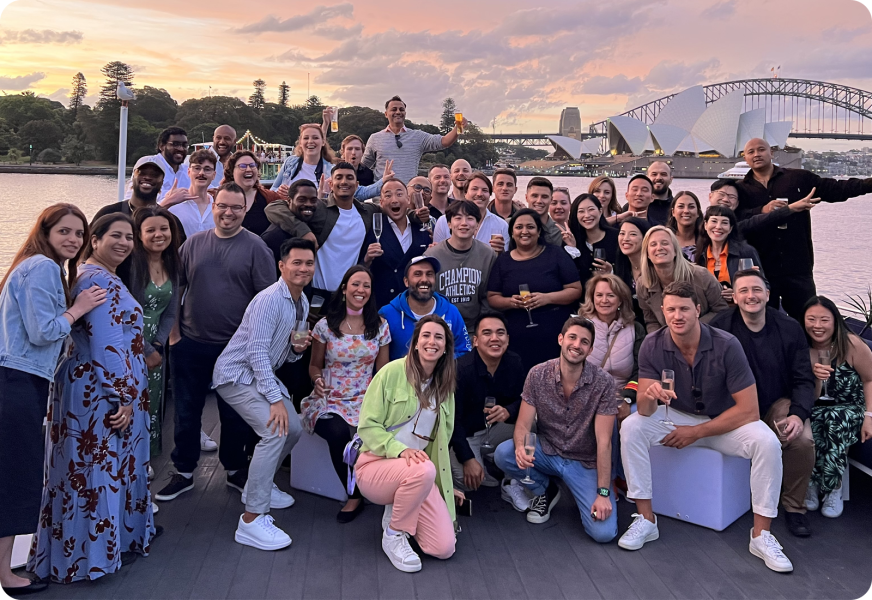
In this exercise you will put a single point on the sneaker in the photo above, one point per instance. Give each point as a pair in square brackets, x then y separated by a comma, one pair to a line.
[540, 506]
[489, 480]
[207, 444]
[262, 534]
[238, 480]
[812, 497]
[641, 530]
[515, 494]
[833, 505]
[386, 517]
[400, 552]
[178, 485]
[150, 473]
[277, 498]
[797, 524]
[767, 547]
[154, 508]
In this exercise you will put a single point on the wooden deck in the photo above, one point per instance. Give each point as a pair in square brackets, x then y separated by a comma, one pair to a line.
[499, 555]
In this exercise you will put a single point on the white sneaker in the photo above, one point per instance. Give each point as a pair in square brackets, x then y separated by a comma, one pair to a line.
[386, 517]
[812, 497]
[262, 534]
[277, 498]
[150, 473]
[768, 548]
[515, 494]
[833, 505]
[207, 444]
[400, 552]
[154, 508]
[641, 530]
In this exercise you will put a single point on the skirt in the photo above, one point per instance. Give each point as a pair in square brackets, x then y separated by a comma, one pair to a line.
[23, 406]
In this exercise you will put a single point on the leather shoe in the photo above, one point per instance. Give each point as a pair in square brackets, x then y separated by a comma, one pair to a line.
[797, 524]
[33, 587]
[349, 515]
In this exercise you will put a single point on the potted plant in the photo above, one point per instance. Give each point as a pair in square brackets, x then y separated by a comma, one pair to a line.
[863, 308]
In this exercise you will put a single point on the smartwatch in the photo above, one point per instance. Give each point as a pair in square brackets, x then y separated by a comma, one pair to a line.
[604, 492]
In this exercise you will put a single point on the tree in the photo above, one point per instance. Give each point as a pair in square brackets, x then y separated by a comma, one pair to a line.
[8, 138]
[219, 109]
[284, 94]
[258, 99]
[50, 155]
[75, 148]
[114, 72]
[446, 122]
[77, 96]
[41, 134]
[155, 106]
[314, 104]
[18, 109]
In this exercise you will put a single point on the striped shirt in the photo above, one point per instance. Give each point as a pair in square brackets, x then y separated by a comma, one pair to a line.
[262, 343]
[382, 147]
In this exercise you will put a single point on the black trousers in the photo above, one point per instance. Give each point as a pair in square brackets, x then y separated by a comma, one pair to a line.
[337, 433]
[793, 291]
[23, 406]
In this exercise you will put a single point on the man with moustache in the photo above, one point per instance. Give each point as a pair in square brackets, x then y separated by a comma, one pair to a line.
[640, 194]
[303, 199]
[172, 148]
[539, 191]
[401, 240]
[440, 184]
[492, 230]
[660, 174]
[196, 214]
[777, 351]
[223, 147]
[460, 174]
[420, 300]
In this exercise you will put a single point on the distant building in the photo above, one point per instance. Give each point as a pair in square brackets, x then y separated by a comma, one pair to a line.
[570, 122]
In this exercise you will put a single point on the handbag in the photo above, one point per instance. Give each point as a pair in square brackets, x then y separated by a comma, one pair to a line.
[352, 452]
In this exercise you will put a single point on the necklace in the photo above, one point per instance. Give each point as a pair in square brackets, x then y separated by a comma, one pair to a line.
[351, 329]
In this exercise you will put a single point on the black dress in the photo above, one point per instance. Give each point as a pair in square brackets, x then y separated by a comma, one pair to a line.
[256, 220]
[584, 263]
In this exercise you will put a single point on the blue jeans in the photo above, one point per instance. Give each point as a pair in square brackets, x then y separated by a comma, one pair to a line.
[581, 481]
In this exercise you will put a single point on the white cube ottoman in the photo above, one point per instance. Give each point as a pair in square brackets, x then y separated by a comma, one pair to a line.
[700, 486]
[312, 470]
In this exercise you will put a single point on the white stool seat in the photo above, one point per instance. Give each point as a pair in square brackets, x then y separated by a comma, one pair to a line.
[700, 486]
[312, 470]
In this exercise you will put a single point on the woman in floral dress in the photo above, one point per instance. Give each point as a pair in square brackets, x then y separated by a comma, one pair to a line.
[96, 504]
[350, 344]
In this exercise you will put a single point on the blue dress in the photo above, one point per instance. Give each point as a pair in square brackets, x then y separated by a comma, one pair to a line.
[96, 502]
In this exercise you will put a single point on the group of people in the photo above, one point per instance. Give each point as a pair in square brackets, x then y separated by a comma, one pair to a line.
[438, 332]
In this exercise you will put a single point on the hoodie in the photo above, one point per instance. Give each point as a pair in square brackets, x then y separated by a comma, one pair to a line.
[401, 321]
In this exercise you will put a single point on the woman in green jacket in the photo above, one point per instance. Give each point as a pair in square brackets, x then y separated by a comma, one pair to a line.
[406, 421]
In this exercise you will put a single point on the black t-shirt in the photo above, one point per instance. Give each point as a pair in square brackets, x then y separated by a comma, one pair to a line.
[256, 220]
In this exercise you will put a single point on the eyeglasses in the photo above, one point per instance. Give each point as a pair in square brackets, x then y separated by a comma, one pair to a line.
[199, 169]
[435, 427]
[397, 139]
[565, 190]
[721, 194]
[244, 166]
[179, 145]
[420, 188]
[235, 208]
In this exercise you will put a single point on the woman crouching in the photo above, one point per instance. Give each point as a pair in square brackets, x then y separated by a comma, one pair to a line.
[406, 421]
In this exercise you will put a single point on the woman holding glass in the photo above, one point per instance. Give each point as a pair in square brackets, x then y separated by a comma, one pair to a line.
[721, 250]
[597, 243]
[349, 343]
[628, 265]
[842, 362]
[603, 187]
[405, 423]
[664, 263]
[96, 506]
[552, 289]
[685, 217]
[37, 312]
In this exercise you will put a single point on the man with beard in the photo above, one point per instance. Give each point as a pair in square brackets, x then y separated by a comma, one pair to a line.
[440, 184]
[420, 300]
[172, 148]
[460, 173]
[196, 214]
[660, 174]
[640, 194]
[303, 198]
[539, 191]
[573, 403]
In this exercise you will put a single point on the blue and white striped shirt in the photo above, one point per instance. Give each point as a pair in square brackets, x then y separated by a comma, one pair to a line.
[382, 147]
[262, 343]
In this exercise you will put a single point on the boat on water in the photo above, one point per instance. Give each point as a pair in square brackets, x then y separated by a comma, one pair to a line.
[271, 155]
[738, 172]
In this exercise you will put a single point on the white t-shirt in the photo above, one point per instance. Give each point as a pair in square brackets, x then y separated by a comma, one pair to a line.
[426, 421]
[490, 224]
[340, 251]
[306, 172]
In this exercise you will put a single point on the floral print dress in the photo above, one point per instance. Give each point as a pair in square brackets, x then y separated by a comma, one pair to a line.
[157, 299]
[96, 502]
[351, 361]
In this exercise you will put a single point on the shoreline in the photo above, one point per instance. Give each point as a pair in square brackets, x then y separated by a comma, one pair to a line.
[62, 169]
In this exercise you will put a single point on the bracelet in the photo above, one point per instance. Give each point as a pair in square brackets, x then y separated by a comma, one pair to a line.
[869, 413]
[66, 312]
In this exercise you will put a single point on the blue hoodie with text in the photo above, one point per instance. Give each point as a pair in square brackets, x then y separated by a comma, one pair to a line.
[402, 321]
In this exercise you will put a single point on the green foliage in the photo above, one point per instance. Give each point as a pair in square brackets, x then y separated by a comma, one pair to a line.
[446, 121]
[75, 148]
[18, 109]
[114, 72]
[284, 94]
[258, 99]
[8, 138]
[50, 155]
[77, 96]
[219, 109]
[42, 133]
[155, 106]
[14, 155]
[863, 307]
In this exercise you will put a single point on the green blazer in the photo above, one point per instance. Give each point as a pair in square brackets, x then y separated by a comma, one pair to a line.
[390, 400]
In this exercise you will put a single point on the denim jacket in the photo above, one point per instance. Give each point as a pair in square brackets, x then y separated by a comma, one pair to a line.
[286, 173]
[32, 325]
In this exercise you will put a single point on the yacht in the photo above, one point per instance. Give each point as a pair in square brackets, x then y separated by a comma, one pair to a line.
[738, 172]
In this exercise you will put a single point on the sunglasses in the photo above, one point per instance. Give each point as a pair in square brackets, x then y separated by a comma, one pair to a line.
[435, 427]
[698, 404]
[397, 139]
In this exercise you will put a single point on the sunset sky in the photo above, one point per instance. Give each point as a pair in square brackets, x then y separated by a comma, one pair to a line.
[500, 59]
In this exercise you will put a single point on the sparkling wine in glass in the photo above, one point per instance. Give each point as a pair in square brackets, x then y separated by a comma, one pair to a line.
[489, 403]
[328, 382]
[418, 199]
[746, 263]
[529, 450]
[825, 358]
[524, 291]
[334, 120]
[667, 382]
[377, 226]
[301, 330]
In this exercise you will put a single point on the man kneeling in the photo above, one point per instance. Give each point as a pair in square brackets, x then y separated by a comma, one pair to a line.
[713, 404]
[574, 405]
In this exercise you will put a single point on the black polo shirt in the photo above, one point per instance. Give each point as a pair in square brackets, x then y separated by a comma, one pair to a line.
[720, 369]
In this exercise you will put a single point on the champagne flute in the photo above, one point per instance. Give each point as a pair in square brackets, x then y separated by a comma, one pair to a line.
[418, 199]
[746, 263]
[667, 382]
[529, 450]
[525, 293]
[327, 379]
[489, 402]
[825, 358]
[377, 226]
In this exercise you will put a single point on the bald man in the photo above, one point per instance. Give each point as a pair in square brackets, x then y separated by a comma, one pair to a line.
[460, 173]
[787, 254]
[660, 174]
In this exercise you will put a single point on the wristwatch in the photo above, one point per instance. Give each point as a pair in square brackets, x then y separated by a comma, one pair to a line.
[628, 400]
[604, 492]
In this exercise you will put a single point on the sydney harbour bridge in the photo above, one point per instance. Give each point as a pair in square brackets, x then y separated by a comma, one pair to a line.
[818, 109]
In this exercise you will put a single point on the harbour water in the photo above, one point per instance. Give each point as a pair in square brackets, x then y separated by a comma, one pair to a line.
[841, 241]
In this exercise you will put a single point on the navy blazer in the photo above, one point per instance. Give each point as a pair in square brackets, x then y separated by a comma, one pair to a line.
[389, 268]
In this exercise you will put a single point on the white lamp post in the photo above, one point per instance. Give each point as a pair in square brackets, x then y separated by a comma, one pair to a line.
[125, 95]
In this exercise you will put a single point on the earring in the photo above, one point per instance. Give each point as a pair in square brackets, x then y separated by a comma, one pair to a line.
[343, 297]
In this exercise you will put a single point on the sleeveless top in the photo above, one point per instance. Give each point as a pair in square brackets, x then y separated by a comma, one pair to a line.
[620, 362]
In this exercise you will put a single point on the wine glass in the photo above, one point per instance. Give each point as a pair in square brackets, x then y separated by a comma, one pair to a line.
[529, 450]
[599, 254]
[667, 382]
[418, 199]
[525, 293]
[377, 226]
[489, 403]
[746, 263]
[825, 358]
[328, 382]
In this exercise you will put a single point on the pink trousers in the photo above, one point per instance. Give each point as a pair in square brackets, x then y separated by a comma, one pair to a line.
[419, 508]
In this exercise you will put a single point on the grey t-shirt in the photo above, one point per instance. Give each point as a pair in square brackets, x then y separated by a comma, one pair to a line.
[221, 276]
[463, 278]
